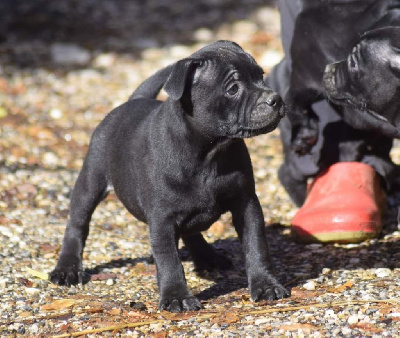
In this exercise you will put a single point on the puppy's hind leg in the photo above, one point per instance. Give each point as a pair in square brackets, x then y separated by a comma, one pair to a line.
[204, 256]
[90, 188]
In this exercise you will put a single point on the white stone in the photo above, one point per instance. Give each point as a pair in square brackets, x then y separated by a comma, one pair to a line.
[56, 114]
[346, 330]
[353, 319]
[5, 231]
[32, 291]
[262, 321]
[310, 285]
[50, 159]
[104, 60]
[383, 272]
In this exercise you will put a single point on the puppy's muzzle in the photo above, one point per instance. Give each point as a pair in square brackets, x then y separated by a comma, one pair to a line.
[269, 108]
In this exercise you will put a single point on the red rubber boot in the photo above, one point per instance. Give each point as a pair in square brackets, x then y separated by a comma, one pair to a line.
[343, 204]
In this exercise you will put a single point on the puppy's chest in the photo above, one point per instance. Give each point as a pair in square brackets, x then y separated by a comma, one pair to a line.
[204, 200]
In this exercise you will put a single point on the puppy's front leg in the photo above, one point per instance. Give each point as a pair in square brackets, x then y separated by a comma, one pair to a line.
[174, 294]
[249, 223]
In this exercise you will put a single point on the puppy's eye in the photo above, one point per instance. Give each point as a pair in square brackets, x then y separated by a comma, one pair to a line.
[233, 90]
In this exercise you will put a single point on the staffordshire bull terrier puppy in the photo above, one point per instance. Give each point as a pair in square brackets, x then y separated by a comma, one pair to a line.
[325, 31]
[178, 165]
[369, 81]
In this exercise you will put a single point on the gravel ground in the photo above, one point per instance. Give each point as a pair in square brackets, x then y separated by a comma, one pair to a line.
[64, 65]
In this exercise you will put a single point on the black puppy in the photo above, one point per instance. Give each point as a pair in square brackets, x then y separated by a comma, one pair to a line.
[369, 80]
[325, 31]
[178, 165]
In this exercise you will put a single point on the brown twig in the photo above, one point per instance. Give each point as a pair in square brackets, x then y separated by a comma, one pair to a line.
[206, 316]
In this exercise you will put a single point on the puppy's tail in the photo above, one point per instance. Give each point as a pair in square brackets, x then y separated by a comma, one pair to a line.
[150, 88]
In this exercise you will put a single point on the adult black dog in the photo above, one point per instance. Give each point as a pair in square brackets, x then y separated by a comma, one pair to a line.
[314, 34]
[369, 80]
[178, 165]
[325, 31]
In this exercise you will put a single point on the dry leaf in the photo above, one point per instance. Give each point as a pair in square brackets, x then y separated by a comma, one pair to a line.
[304, 294]
[366, 327]
[225, 318]
[25, 282]
[137, 315]
[65, 327]
[45, 247]
[384, 310]
[143, 270]
[245, 298]
[231, 318]
[345, 286]
[38, 274]
[60, 304]
[341, 288]
[115, 311]
[27, 188]
[161, 334]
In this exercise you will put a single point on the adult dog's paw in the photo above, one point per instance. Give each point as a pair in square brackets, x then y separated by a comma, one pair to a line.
[175, 304]
[305, 136]
[267, 288]
[66, 276]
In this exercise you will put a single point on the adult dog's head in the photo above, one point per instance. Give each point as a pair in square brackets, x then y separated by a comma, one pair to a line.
[369, 80]
[221, 88]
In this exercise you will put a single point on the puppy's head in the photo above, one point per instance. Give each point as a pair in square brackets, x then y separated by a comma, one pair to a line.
[221, 89]
[369, 79]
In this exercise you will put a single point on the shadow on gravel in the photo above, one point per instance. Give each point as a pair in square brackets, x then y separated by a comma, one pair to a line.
[119, 263]
[29, 28]
[293, 262]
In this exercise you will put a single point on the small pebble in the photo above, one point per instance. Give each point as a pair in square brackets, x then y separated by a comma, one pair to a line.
[353, 319]
[311, 285]
[383, 272]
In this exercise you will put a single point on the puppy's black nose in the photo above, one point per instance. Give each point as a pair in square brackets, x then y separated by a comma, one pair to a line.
[274, 100]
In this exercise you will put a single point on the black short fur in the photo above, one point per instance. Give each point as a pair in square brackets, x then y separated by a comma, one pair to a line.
[178, 165]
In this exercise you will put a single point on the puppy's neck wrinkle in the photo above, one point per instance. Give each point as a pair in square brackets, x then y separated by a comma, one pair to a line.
[189, 127]
[194, 144]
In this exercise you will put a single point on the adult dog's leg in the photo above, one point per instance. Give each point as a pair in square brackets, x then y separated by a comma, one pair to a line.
[249, 223]
[89, 190]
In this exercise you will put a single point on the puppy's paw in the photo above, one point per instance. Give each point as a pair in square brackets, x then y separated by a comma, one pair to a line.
[67, 276]
[267, 288]
[176, 304]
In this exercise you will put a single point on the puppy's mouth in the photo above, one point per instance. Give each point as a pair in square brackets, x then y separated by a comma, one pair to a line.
[263, 119]
[342, 98]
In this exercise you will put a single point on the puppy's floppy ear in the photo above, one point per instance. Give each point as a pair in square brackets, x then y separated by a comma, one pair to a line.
[178, 79]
